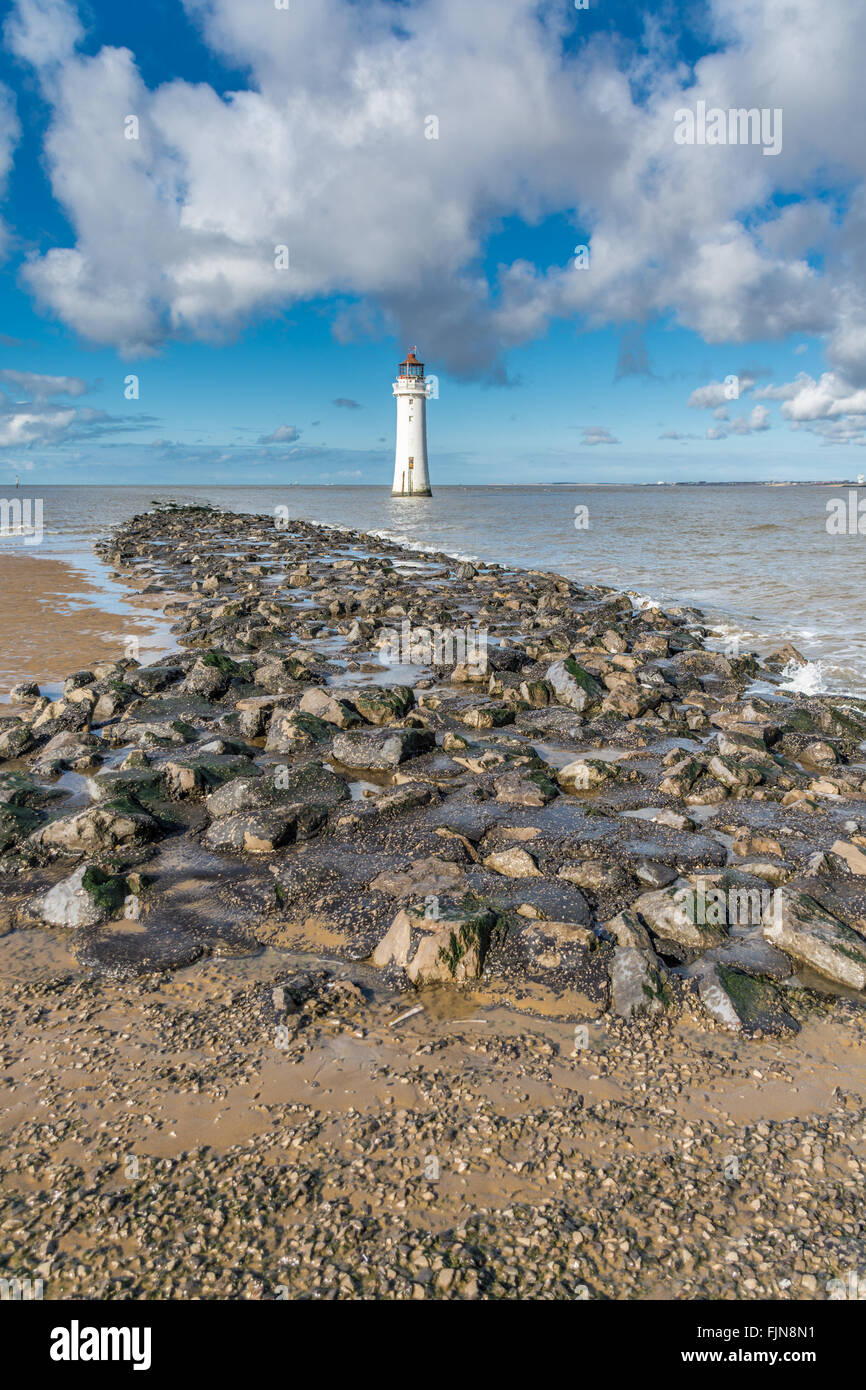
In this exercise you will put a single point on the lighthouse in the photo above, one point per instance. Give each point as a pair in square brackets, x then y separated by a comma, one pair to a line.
[411, 478]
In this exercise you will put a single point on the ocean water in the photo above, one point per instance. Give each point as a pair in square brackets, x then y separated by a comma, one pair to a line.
[760, 561]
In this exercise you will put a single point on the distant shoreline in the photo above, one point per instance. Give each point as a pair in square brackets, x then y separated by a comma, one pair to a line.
[378, 486]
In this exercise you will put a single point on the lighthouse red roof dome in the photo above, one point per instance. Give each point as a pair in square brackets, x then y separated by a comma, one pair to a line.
[411, 366]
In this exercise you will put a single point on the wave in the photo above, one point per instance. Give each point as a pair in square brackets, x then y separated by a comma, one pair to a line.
[810, 679]
[423, 548]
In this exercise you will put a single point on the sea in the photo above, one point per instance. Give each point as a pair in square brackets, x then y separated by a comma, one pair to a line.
[766, 564]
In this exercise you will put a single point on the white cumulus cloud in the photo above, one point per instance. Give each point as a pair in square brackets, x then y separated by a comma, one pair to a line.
[325, 152]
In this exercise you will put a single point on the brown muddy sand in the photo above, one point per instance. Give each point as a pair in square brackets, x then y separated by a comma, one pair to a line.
[540, 975]
[53, 619]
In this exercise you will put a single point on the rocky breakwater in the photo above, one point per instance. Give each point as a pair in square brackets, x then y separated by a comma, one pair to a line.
[594, 812]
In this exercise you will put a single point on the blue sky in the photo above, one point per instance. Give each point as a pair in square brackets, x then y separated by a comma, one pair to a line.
[432, 168]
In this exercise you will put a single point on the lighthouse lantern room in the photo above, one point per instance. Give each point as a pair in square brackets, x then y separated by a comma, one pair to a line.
[411, 478]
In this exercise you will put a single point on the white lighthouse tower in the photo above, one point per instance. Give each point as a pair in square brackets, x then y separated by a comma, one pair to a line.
[411, 478]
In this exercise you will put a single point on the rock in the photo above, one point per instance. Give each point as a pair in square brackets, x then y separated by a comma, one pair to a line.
[380, 704]
[654, 874]
[382, 750]
[240, 794]
[194, 776]
[538, 694]
[211, 675]
[628, 930]
[674, 915]
[25, 690]
[292, 732]
[776, 874]
[135, 782]
[469, 673]
[263, 831]
[448, 948]
[613, 641]
[512, 863]
[526, 787]
[631, 702]
[315, 784]
[87, 896]
[15, 739]
[16, 823]
[597, 876]
[19, 789]
[819, 754]
[255, 713]
[148, 679]
[322, 705]
[681, 777]
[674, 819]
[534, 897]
[586, 774]
[112, 702]
[741, 1003]
[812, 936]
[155, 733]
[573, 686]
[778, 660]
[65, 750]
[487, 716]
[61, 714]
[732, 773]
[638, 983]
[279, 675]
[700, 662]
[751, 955]
[111, 826]
[853, 857]
[392, 802]
[422, 878]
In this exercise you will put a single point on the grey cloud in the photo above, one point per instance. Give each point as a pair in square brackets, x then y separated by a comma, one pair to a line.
[283, 434]
[39, 386]
[597, 434]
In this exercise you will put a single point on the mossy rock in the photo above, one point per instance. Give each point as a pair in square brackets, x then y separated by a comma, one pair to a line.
[17, 789]
[107, 890]
[16, 823]
[139, 784]
[226, 664]
[382, 704]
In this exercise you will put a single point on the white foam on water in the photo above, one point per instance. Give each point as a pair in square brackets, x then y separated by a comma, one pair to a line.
[643, 601]
[421, 548]
[804, 680]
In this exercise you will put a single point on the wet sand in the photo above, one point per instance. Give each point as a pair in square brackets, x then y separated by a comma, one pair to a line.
[280, 1119]
[184, 1155]
[54, 620]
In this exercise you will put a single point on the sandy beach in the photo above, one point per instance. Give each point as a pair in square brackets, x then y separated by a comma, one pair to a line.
[335, 966]
[54, 620]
